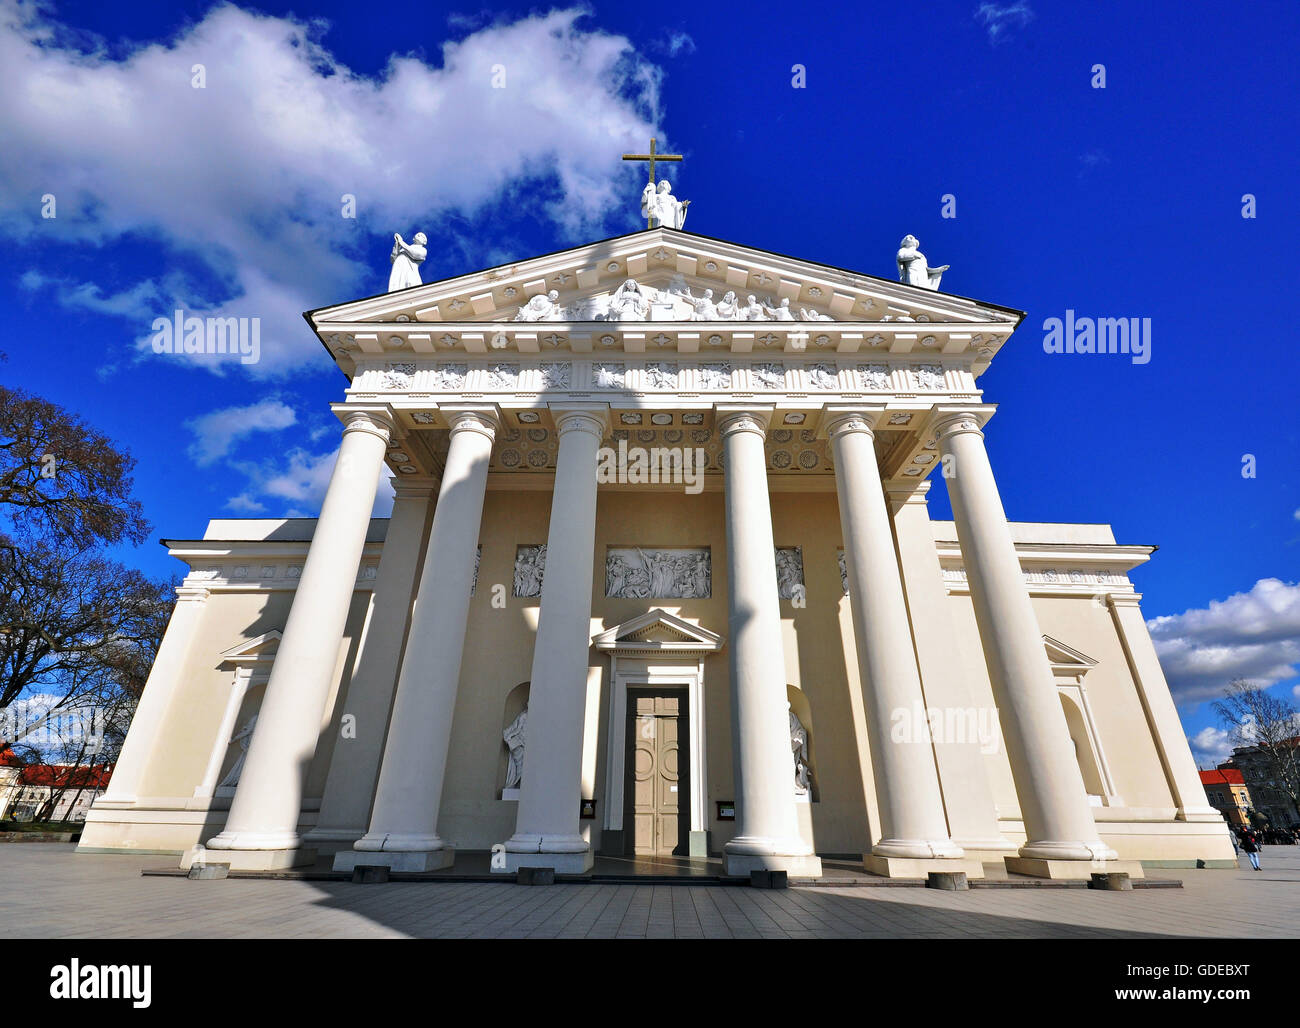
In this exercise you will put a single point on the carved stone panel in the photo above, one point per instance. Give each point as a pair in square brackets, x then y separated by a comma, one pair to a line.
[634, 572]
[789, 572]
[530, 565]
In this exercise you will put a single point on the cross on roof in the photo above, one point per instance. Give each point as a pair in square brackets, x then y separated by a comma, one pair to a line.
[652, 156]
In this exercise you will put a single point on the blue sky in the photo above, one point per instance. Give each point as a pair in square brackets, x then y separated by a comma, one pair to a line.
[1117, 202]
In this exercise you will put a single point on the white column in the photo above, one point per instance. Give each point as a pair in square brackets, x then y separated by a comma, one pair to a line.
[963, 761]
[221, 743]
[403, 831]
[547, 831]
[767, 827]
[164, 676]
[914, 830]
[1062, 837]
[354, 767]
[1161, 714]
[262, 829]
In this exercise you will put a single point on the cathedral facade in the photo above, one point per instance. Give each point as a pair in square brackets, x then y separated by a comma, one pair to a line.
[661, 579]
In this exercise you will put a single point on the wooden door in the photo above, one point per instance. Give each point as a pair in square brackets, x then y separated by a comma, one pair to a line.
[657, 772]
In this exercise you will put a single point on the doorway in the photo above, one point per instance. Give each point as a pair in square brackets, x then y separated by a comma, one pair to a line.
[657, 789]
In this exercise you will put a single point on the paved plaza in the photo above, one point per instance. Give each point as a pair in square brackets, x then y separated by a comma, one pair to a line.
[51, 891]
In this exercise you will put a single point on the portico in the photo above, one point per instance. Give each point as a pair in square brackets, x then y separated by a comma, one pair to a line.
[772, 627]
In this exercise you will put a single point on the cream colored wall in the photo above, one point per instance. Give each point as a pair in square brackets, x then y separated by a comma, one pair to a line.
[498, 656]
[1117, 711]
[199, 698]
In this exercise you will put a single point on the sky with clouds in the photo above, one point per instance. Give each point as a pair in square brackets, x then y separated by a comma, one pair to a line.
[200, 156]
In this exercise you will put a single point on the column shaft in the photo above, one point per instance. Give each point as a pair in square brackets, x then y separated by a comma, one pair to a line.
[1053, 800]
[912, 819]
[263, 824]
[354, 769]
[547, 830]
[767, 828]
[146, 725]
[404, 825]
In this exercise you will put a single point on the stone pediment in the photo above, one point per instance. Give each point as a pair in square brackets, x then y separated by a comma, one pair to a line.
[673, 271]
[251, 652]
[657, 631]
[1066, 660]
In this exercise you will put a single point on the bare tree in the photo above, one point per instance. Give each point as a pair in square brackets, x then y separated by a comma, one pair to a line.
[1270, 726]
[63, 611]
[60, 479]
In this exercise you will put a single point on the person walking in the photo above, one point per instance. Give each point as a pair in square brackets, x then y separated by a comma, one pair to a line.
[1252, 849]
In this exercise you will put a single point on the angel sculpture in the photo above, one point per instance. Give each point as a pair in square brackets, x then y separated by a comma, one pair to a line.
[542, 307]
[913, 267]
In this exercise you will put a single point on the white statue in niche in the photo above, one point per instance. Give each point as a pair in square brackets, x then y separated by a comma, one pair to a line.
[514, 738]
[406, 259]
[753, 310]
[913, 267]
[629, 303]
[807, 314]
[542, 307]
[799, 744]
[660, 204]
[244, 737]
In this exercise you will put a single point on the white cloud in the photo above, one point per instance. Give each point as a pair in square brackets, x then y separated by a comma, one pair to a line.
[217, 432]
[1210, 746]
[298, 481]
[246, 175]
[1253, 635]
[680, 43]
[999, 18]
[245, 504]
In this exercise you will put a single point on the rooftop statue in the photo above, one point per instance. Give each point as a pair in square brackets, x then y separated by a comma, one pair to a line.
[406, 258]
[660, 207]
[913, 268]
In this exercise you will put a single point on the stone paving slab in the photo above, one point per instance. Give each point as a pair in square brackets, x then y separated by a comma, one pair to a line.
[51, 891]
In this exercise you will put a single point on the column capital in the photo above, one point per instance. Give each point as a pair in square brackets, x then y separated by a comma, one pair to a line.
[374, 420]
[413, 487]
[838, 420]
[949, 421]
[899, 493]
[472, 418]
[731, 418]
[191, 592]
[581, 417]
[1124, 600]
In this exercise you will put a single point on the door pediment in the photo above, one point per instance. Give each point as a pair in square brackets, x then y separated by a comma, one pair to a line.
[657, 632]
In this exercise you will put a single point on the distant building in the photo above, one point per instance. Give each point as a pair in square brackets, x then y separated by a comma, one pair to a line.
[1226, 790]
[24, 790]
[1268, 798]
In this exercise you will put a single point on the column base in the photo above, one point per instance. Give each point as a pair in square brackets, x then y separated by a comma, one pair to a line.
[563, 863]
[1072, 870]
[395, 860]
[251, 860]
[918, 849]
[739, 865]
[698, 845]
[919, 867]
